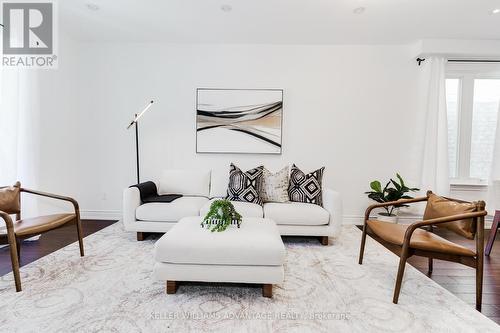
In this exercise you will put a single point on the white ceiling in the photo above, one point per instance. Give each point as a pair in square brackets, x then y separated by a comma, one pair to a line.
[280, 21]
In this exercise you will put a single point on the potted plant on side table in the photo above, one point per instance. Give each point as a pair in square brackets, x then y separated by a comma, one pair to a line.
[393, 191]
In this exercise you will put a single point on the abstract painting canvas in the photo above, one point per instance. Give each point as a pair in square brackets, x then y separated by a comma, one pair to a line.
[239, 121]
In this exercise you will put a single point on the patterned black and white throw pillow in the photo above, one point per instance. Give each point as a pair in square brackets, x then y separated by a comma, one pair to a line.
[245, 186]
[306, 187]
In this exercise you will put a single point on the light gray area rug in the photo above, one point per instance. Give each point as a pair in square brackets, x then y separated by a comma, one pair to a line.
[111, 289]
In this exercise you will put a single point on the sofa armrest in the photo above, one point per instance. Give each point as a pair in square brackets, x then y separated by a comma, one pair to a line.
[131, 200]
[332, 202]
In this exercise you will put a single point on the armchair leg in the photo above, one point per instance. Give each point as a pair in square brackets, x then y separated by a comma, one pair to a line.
[18, 249]
[430, 266]
[493, 232]
[479, 286]
[324, 240]
[80, 235]
[14, 258]
[479, 262]
[362, 248]
[399, 278]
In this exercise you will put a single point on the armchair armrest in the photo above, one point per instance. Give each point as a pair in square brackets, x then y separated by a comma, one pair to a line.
[10, 229]
[332, 202]
[391, 203]
[440, 220]
[54, 196]
[8, 220]
[131, 200]
[10, 235]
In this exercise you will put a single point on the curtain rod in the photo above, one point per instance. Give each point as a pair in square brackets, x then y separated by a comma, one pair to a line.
[472, 60]
[420, 60]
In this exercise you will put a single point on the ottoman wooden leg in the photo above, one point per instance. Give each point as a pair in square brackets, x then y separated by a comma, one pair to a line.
[267, 290]
[324, 240]
[143, 235]
[172, 287]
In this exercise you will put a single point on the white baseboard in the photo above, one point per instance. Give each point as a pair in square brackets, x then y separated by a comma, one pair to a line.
[101, 214]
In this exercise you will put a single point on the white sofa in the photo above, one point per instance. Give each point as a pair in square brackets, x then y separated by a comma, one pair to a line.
[200, 187]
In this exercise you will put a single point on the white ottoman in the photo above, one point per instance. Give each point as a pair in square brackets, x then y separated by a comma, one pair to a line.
[253, 253]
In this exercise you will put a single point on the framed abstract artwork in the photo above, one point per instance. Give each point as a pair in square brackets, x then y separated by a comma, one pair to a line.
[239, 121]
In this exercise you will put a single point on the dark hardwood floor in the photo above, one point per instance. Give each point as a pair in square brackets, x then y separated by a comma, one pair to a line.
[458, 279]
[50, 242]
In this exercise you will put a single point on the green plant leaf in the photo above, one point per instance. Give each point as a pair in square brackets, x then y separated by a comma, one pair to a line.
[401, 181]
[396, 185]
[223, 211]
[376, 186]
[378, 197]
[394, 190]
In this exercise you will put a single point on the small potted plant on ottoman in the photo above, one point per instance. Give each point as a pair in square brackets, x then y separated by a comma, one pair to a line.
[393, 191]
[220, 216]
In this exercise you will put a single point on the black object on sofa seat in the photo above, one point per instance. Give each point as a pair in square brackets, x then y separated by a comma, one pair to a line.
[149, 193]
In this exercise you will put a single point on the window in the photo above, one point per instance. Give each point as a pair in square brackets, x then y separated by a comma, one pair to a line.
[452, 92]
[472, 100]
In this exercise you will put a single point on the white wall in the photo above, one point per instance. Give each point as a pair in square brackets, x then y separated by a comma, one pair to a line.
[349, 108]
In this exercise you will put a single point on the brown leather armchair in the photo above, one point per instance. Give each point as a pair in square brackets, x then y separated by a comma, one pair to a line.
[461, 217]
[14, 232]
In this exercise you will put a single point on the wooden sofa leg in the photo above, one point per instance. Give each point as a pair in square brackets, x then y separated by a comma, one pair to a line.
[172, 287]
[324, 240]
[141, 236]
[267, 290]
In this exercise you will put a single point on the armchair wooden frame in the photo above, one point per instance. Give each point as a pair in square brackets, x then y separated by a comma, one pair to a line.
[14, 240]
[405, 251]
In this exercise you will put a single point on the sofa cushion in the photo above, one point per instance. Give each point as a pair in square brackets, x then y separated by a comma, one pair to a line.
[218, 182]
[9, 199]
[440, 207]
[185, 182]
[245, 209]
[306, 187]
[275, 186]
[296, 213]
[172, 211]
[245, 186]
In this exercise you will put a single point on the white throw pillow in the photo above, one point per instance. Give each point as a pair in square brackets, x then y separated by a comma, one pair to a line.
[185, 182]
[275, 186]
[218, 183]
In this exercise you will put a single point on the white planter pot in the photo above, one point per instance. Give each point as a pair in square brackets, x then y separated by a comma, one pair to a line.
[386, 218]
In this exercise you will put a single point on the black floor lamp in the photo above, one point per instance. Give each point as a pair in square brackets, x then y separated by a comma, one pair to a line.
[134, 122]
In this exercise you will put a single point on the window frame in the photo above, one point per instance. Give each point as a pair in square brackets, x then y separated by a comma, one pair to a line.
[467, 73]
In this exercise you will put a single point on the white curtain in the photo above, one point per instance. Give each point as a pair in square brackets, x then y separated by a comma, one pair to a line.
[434, 174]
[9, 82]
[19, 129]
[493, 197]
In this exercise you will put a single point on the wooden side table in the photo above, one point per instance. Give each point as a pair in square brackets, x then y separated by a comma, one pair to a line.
[493, 232]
